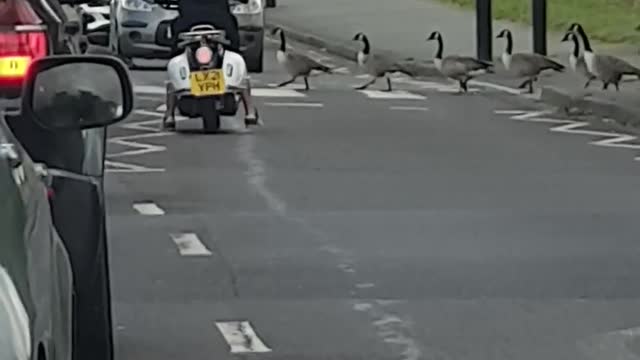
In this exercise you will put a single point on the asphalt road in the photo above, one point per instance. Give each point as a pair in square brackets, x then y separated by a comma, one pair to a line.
[425, 226]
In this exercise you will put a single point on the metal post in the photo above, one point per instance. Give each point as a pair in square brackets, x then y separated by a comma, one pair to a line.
[539, 13]
[484, 32]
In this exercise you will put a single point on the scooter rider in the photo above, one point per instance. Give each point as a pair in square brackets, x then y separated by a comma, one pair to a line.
[218, 14]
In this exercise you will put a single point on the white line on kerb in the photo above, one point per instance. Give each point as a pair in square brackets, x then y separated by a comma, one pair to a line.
[148, 208]
[293, 104]
[241, 337]
[189, 245]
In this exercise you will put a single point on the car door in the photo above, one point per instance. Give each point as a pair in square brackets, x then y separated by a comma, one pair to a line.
[75, 160]
[32, 255]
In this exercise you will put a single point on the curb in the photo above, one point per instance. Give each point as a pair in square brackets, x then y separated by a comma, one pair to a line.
[623, 115]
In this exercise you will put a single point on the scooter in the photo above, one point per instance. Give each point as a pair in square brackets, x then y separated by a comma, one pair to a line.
[206, 80]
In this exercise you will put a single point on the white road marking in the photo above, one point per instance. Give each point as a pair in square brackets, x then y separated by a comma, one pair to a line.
[433, 85]
[341, 70]
[611, 139]
[616, 142]
[142, 148]
[508, 112]
[409, 108]
[148, 209]
[502, 88]
[396, 94]
[148, 98]
[150, 113]
[120, 167]
[293, 104]
[266, 92]
[150, 89]
[362, 307]
[241, 337]
[365, 285]
[611, 345]
[189, 245]
[257, 175]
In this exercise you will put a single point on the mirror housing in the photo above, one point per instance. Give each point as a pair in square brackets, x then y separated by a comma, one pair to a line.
[163, 31]
[77, 92]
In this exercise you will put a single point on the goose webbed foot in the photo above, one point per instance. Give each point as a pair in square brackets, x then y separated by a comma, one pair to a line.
[366, 85]
[527, 84]
[286, 82]
[389, 89]
[306, 84]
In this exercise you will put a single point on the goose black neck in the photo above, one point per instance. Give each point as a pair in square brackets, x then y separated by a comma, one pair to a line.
[440, 47]
[585, 39]
[576, 46]
[367, 47]
[283, 42]
[509, 47]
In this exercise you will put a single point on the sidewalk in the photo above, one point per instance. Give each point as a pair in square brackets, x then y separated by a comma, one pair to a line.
[399, 28]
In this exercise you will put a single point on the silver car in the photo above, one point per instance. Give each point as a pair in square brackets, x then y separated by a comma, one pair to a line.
[134, 24]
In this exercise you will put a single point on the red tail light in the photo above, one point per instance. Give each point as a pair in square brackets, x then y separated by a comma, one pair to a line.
[20, 46]
[204, 55]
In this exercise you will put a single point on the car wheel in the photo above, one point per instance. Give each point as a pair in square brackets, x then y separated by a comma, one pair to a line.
[255, 59]
[271, 3]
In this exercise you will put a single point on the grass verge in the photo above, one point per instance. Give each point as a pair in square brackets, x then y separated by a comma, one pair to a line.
[612, 21]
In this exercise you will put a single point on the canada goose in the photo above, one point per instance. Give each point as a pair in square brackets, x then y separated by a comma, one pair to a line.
[525, 65]
[576, 61]
[456, 67]
[609, 69]
[295, 64]
[375, 66]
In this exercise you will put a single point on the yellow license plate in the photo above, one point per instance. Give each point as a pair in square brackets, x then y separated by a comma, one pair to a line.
[14, 66]
[207, 82]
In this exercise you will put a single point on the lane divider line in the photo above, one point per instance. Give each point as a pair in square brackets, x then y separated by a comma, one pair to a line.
[189, 245]
[241, 337]
[148, 209]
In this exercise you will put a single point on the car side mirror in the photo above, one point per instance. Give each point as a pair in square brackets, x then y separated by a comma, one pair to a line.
[69, 92]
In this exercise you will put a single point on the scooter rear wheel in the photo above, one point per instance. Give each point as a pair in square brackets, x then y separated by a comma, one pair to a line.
[210, 116]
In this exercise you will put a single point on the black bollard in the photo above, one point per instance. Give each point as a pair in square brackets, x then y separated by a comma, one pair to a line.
[539, 21]
[484, 36]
